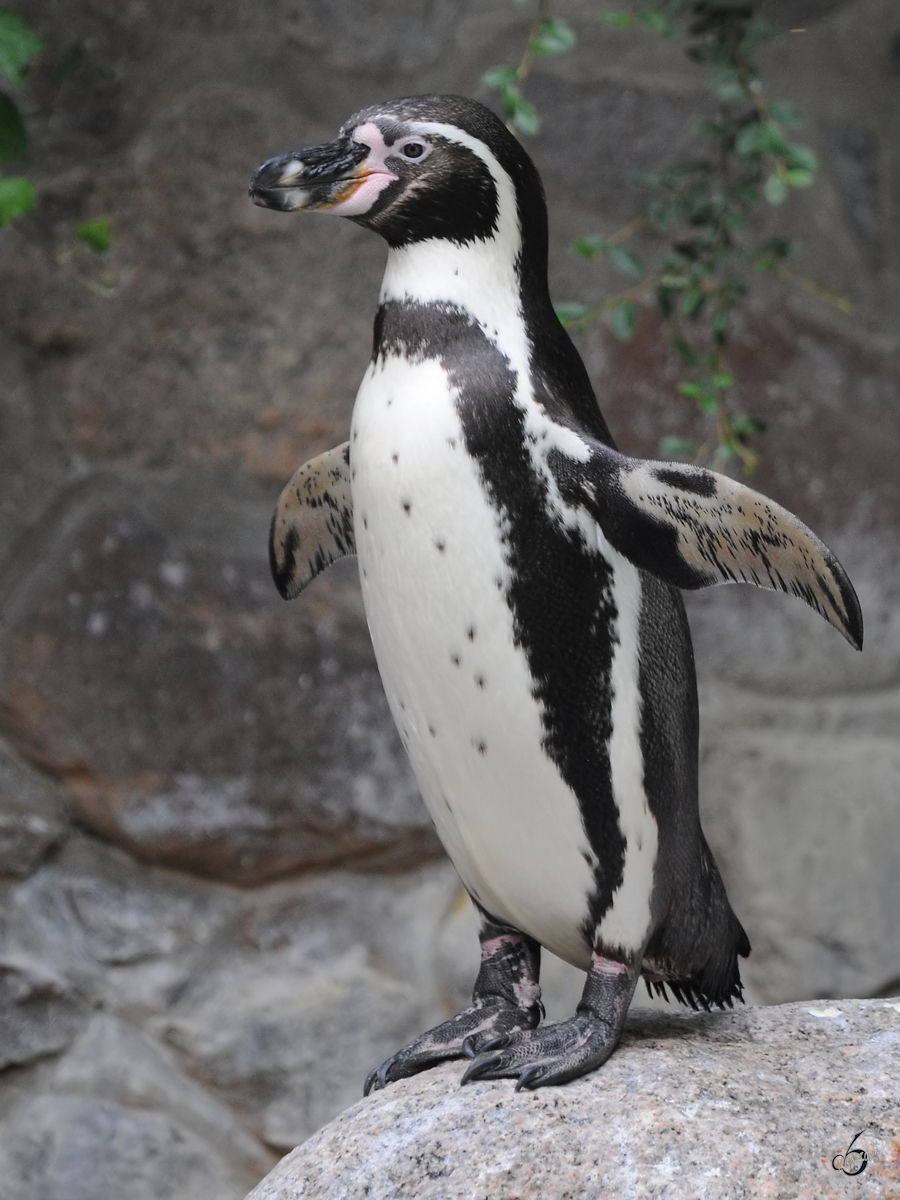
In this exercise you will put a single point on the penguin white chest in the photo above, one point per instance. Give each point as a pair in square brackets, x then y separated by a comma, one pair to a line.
[435, 586]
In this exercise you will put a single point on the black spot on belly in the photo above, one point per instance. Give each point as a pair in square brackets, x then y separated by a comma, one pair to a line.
[480, 681]
[481, 747]
[451, 442]
[441, 544]
[407, 507]
[455, 659]
[365, 523]
[432, 731]
[470, 633]
[394, 459]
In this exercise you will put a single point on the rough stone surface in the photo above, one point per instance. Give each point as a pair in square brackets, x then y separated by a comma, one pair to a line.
[776, 761]
[751, 1103]
[39, 1012]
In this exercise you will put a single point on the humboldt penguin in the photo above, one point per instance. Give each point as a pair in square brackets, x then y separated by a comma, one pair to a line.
[521, 583]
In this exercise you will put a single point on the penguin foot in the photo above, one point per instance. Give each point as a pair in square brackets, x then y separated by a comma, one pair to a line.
[557, 1053]
[463, 1036]
[549, 1055]
[506, 1001]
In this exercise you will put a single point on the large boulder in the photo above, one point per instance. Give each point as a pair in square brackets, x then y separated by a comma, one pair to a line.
[760, 1102]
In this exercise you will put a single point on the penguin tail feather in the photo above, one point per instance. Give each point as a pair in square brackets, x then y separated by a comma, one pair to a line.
[695, 950]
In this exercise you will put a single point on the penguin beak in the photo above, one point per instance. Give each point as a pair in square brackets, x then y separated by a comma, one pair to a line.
[320, 177]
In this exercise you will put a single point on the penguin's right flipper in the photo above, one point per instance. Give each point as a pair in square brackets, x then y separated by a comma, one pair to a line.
[694, 528]
[312, 525]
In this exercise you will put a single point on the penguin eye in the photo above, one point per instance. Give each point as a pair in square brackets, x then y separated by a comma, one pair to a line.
[415, 149]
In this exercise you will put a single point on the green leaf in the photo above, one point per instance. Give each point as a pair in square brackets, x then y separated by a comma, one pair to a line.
[720, 328]
[800, 158]
[778, 247]
[657, 21]
[692, 390]
[588, 246]
[499, 77]
[775, 189]
[13, 138]
[18, 45]
[570, 312]
[554, 37]
[701, 394]
[784, 113]
[525, 118]
[621, 20]
[686, 352]
[712, 130]
[676, 447]
[16, 197]
[509, 98]
[753, 139]
[691, 302]
[722, 380]
[799, 178]
[747, 426]
[626, 260]
[622, 317]
[94, 234]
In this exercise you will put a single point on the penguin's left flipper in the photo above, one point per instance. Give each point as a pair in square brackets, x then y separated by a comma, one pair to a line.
[694, 528]
[312, 525]
[554, 1054]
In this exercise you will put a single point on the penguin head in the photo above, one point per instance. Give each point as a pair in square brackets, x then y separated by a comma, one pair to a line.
[420, 168]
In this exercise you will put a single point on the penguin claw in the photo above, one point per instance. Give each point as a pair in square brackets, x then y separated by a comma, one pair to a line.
[480, 1068]
[495, 1043]
[530, 1076]
[377, 1079]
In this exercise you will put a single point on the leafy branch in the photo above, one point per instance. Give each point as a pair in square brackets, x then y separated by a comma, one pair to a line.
[702, 207]
[18, 46]
[548, 35]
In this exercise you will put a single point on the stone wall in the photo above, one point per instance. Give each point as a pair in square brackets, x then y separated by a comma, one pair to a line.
[223, 901]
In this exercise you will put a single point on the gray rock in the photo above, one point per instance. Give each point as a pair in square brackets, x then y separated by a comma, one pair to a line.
[751, 1103]
[323, 980]
[259, 739]
[32, 815]
[40, 1013]
[67, 1148]
[855, 164]
[25, 838]
[113, 1062]
[801, 809]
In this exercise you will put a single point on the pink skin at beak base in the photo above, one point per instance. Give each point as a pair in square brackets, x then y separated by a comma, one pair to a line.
[362, 192]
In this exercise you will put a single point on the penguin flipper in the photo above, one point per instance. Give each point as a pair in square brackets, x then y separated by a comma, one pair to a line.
[694, 528]
[312, 525]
